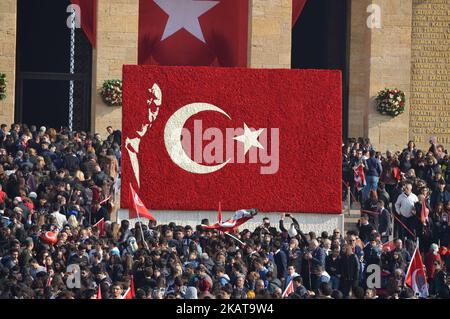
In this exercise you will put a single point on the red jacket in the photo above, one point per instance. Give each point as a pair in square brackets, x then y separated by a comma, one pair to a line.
[430, 259]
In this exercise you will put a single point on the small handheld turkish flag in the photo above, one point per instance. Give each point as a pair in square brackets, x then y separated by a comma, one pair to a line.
[389, 246]
[99, 292]
[360, 178]
[138, 208]
[289, 289]
[129, 294]
[424, 213]
[416, 277]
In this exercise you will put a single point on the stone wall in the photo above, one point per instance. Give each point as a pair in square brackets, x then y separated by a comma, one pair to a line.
[117, 40]
[383, 59]
[8, 9]
[430, 78]
[270, 29]
[390, 66]
[308, 222]
[359, 71]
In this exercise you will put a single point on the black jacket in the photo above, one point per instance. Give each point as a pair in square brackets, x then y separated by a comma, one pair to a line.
[385, 222]
[365, 231]
[333, 267]
[280, 259]
[350, 267]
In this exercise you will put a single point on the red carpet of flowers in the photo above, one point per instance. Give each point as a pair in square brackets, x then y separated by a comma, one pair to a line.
[305, 105]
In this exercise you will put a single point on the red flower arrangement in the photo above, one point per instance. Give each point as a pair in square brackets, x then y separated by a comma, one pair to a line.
[391, 102]
[112, 92]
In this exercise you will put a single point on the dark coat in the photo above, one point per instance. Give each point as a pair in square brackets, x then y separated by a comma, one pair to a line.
[385, 222]
[280, 259]
[350, 267]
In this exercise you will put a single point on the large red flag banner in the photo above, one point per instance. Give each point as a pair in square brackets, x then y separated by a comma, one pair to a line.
[297, 8]
[88, 11]
[193, 32]
[268, 139]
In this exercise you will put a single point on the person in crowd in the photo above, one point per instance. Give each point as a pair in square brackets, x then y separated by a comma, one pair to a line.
[350, 271]
[404, 206]
[365, 228]
[440, 195]
[55, 185]
[385, 221]
[373, 173]
[333, 266]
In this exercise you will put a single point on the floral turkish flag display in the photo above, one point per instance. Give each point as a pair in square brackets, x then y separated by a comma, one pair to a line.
[248, 138]
[193, 32]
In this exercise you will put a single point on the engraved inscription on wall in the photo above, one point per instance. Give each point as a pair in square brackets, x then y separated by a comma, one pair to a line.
[430, 76]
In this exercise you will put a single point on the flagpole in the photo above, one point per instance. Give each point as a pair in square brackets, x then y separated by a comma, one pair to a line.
[412, 259]
[235, 238]
[142, 232]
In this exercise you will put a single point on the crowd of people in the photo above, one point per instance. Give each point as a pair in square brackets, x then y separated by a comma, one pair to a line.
[56, 186]
[404, 195]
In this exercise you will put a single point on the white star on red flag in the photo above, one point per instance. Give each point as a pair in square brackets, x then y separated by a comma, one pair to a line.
[184, 14]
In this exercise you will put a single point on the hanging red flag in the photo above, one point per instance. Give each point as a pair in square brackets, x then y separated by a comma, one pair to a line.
[138, 208]
[415, 276]
[88, 13]
[193, 32]
[297, 8]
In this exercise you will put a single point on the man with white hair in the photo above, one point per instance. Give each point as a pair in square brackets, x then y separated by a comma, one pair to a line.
[405, 207]
[317, 253]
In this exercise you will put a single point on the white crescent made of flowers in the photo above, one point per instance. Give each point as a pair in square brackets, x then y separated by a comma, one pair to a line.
[172, 137]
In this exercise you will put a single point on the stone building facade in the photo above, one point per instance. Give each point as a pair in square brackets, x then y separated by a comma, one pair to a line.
[409, 49]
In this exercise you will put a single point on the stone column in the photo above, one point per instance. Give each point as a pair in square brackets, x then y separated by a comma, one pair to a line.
[270, 29]
[390, 65]
[359, 70]
[117, 44]
[380, 57]
[8, 17]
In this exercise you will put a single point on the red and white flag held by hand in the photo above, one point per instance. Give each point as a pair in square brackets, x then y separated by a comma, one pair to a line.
[424, 212]
[289, 289]
[138, 208]
[389, 246]
[416, 277]
[129, 294]
[397, 173]
[360, 178]
[101, 227]
[99, 292]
